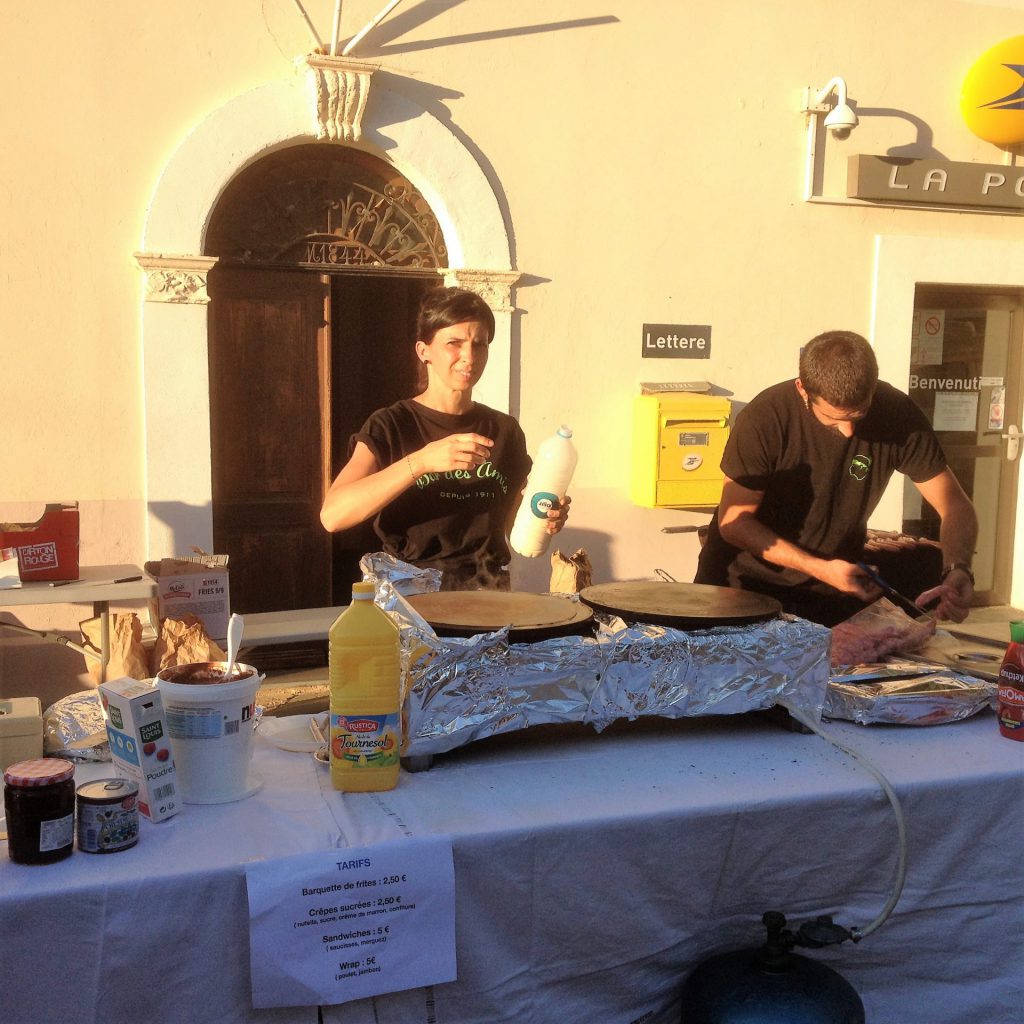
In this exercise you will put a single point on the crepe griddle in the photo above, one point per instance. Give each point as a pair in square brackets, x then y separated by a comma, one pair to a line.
[529, 616]
[680, 605]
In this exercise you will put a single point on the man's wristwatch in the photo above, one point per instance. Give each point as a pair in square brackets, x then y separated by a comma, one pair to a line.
[962, 566]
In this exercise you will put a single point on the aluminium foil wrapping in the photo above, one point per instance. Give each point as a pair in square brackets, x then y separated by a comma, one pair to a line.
[461, 690]
[901, 693]
[75, 718]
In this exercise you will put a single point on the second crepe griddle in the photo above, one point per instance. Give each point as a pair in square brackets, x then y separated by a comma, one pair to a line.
[529, 616]
[680, 605]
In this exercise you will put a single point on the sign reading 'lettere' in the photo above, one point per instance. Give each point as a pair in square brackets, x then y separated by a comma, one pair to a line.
[676, 341]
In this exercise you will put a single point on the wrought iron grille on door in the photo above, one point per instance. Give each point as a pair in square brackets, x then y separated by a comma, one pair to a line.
[325, 207]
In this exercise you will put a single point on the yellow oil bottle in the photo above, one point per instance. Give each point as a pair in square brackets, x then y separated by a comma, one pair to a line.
[364, 666]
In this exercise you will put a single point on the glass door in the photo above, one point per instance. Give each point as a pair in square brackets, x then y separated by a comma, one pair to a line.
[965, 370]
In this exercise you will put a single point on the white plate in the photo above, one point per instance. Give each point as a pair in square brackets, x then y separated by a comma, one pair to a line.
[290, 732]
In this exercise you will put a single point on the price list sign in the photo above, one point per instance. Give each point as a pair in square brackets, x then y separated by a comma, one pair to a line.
[338, 925]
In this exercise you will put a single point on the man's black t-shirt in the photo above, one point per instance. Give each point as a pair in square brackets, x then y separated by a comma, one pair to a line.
[453, 521]
[819, 488]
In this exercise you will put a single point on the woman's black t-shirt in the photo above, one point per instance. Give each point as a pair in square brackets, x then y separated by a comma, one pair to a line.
[819, 487]
[453, 521]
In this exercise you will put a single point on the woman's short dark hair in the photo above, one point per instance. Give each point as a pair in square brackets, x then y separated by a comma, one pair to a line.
[840, 367]
[445, 307]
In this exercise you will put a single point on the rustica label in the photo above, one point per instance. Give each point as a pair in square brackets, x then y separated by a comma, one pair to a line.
[365, 741]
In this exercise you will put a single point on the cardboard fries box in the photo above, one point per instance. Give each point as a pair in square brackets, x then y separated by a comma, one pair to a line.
[140, 744]
[196, 584]
[48, 548]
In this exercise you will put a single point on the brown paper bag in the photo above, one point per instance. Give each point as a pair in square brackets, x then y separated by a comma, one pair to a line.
[570, 575]
[182, 642]
[127, 653]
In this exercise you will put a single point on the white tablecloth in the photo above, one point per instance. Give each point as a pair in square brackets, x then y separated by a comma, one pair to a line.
[592, 873]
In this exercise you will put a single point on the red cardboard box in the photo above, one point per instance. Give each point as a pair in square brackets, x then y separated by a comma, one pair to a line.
[48, 548]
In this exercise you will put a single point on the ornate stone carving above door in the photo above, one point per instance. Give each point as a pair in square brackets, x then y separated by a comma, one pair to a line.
[179, 279]
[339, 88]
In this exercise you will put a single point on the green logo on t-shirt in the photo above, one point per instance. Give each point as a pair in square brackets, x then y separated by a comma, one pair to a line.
[860, 467]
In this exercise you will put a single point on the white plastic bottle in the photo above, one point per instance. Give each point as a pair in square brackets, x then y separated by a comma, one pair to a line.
[549, 480]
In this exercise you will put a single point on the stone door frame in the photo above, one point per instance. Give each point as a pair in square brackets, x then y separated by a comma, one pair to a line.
[178, 485]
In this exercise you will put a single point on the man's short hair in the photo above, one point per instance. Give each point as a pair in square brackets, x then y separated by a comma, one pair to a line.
[839, 367]
[446, 307]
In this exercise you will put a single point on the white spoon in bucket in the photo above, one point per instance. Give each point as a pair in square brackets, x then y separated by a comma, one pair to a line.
[236, 625]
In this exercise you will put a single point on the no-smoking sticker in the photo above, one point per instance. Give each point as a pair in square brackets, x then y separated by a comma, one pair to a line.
[996, 408]
[928, 336]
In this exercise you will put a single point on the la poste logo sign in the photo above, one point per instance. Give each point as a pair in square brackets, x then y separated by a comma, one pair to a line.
[992, 95]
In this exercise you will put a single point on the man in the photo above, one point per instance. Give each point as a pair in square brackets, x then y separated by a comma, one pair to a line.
[805, 467]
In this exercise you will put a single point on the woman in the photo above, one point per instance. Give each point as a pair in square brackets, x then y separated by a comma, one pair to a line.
[442, 474]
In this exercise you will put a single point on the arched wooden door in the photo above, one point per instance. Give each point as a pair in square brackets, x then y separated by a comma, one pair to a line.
[323, 253]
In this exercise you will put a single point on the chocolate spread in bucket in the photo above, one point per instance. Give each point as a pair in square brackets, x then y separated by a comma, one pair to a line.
[204, 673]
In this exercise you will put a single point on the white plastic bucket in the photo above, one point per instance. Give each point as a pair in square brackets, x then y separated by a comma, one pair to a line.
[211, 725]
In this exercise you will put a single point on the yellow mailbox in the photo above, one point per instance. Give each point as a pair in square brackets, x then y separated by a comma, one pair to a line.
[678, 440]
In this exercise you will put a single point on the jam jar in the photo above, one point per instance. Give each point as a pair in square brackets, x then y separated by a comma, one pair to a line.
[39, 798]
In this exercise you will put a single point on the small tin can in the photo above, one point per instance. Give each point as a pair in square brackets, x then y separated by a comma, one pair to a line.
[108, 815]
[39, 800]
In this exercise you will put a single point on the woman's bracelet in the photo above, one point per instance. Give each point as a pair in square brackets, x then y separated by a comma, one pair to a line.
[412, 472]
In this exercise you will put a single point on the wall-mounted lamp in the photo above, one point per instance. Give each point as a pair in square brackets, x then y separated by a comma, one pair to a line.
[839, 121]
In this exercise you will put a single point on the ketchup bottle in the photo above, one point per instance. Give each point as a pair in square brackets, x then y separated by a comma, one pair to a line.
[1010, 707]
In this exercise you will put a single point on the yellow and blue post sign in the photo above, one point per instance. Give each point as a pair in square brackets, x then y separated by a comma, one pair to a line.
[992, 96]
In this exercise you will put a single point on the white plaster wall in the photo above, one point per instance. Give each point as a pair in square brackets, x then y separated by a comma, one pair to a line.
[647, 160]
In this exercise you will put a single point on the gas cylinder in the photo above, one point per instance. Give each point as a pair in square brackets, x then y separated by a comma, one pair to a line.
[768, 985]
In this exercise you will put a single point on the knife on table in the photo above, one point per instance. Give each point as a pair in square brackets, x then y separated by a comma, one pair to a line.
[892, 593]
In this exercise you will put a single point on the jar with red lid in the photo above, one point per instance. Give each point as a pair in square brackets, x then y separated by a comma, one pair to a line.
[39, 798]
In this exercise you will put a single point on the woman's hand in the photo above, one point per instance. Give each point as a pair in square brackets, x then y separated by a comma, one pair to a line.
[558, 516]
[456, 451]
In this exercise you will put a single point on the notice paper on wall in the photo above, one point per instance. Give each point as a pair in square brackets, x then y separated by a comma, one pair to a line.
[955, 411]
[338, 925]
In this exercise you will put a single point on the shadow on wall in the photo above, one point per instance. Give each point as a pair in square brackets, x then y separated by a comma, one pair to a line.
[184, 527]
[624, 540]
[533, 575]
[36, 668]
